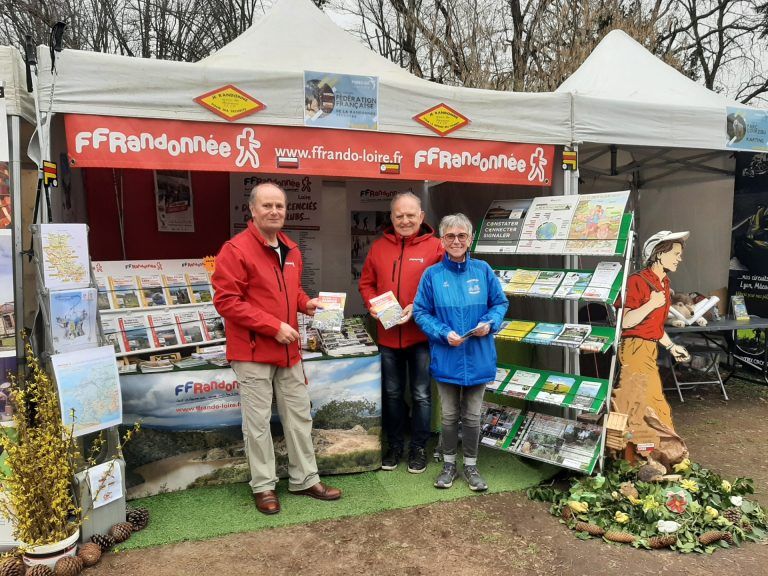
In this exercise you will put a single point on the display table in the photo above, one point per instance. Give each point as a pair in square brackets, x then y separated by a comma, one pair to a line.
[191, 424]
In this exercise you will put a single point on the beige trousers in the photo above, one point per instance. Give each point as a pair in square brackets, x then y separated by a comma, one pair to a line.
[257, 382]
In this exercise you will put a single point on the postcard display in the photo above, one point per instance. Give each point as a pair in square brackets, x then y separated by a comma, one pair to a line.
[85, 371]
[556, 417]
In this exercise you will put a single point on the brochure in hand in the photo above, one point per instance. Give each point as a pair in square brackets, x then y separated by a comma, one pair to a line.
[330, 313]
[387, 309]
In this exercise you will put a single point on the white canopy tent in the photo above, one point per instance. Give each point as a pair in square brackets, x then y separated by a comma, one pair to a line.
[641, 124]
[268, 61]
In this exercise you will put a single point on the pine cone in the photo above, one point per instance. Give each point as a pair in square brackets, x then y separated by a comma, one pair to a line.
[732, 515]
[39, 570]
[662, 541]
[138, 517]
[623, 537]
[713, 536]
[746, 525]
[121, 531]
[68, 566]
[566, 513]
[12, 566]
[104, 542]
[593, 529]
[89, 553]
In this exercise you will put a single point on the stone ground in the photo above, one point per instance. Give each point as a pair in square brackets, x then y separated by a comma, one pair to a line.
[497, 534]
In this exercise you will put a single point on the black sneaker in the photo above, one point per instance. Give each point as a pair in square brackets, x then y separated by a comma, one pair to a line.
[391, 459]
[417, 460]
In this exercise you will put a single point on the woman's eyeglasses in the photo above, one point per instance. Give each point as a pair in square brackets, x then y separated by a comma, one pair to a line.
[451, 238]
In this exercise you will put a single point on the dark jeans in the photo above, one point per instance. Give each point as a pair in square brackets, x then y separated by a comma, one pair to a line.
[398, 367]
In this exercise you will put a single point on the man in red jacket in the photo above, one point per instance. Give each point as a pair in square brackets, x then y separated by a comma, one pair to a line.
[258, 291]
[396, 262]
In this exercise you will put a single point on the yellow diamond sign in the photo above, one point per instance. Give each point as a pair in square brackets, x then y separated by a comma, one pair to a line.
[442, 119]
[229, 102]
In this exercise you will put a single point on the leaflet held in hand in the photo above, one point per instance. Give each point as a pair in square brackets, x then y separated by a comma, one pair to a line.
[387, 309]
[329, 315]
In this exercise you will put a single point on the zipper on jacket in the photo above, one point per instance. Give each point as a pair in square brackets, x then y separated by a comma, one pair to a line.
[287, 349]
[399, 277]
[280, 286]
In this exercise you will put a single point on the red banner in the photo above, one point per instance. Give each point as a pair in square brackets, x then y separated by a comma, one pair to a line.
[104, 141]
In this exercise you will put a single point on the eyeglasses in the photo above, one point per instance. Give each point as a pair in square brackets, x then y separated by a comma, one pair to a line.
[451, 238]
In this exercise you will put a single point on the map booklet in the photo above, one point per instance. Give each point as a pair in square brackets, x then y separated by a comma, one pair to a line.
[573, 335]
[388, 309]
[497, 424]
[739, 307]
[543, 333]
[604, 276]
[329, 315]
[162, 326]
[501, 376]
[176, 287]
[151, 290]
[515, 330]
[596, 223]
[89, 387]
[586, 394]
[567, 443]
[554, 390]
[73, 319]
[573, 285]
[62, 253]
[200, 287]
[189, 326]
[546, 284]
[521, 383]
[125, 292]
[594, 343]
[520, 281]
[501, 227]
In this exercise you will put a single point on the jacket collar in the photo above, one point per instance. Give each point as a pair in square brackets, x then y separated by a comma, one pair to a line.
[290, 244]
[457, 267]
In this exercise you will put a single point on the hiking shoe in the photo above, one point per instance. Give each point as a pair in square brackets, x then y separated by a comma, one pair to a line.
[391, 458]
[476, 482]
[417, 460]
[447, 476]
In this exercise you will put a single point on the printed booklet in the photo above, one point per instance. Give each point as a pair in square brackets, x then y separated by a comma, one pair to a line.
[329, 315]
[388, 309]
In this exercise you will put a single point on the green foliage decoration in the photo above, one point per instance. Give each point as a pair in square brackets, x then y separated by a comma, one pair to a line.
[699, 502]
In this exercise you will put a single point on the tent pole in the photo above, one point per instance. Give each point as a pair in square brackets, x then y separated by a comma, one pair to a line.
[571, 188]
[18, 289]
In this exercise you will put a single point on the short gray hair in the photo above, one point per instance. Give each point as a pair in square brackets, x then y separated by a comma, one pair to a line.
[255, 191]
[457, 220]
[401, 195]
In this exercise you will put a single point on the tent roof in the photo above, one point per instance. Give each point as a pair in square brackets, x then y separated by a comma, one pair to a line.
[268, 60]
[19, 102]
[623, 94]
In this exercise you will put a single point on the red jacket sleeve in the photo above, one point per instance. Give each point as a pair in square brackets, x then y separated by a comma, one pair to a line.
[368, 284]
[230, 283]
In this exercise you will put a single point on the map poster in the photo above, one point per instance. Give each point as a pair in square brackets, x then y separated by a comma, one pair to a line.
[501, 227]
[62, 251]
[173, 201]
[302, 218]
[73, 319]
[546, 226]
[596, 223]
[341, 101]
[89, 389]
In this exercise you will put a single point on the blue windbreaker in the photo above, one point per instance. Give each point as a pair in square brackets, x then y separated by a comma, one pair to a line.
[455, 296]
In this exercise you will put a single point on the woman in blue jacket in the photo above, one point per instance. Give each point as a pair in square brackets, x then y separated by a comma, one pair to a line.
[459, 304]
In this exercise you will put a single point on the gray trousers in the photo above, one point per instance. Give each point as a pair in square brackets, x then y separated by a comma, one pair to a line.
[257, 382]
[465, 402]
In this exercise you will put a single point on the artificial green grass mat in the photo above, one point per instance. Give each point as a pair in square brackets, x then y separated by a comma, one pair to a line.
[208, 512]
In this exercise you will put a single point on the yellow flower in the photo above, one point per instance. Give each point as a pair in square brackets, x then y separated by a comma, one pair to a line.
[723, 521]
[649, 503]
[725, 486]
[683, 466]
[621, 517]
[689, 485]
[634, 501]
[711, 513]
[578, 507]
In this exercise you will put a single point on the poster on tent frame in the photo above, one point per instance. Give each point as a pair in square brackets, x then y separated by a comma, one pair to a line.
[5, 168]
[173, 201]
[147, 143]
[341, 101]
[746, 129]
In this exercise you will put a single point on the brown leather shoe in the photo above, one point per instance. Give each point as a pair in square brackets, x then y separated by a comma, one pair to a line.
[267, 502]
[321, 492]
